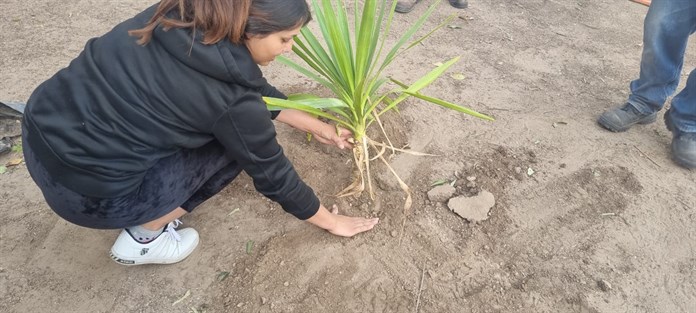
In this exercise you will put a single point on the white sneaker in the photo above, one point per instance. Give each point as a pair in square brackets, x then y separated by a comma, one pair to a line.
[170, 247]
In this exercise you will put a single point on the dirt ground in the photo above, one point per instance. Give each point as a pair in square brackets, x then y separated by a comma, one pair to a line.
[606, 223]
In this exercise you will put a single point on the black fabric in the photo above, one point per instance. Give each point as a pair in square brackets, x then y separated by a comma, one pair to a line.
[99, 125]
[186, 178]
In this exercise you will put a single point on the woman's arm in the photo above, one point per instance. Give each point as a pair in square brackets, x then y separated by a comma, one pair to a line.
[341, 225]
[323, 132]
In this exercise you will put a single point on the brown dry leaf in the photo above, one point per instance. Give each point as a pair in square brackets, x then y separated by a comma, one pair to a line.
[14, 162]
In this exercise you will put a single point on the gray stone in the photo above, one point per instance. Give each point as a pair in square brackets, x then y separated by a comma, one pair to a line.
[441, 193]
[473, 209]
[604, 285]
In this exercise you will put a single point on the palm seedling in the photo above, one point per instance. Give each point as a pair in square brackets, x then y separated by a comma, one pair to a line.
[350, 63]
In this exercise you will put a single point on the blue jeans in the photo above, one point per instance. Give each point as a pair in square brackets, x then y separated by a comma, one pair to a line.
[667, 28]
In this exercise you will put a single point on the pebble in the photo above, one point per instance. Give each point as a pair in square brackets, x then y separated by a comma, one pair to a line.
[604, 285]
[286, 284]
[471, 178]
[241, 304]
[264, 300]
[394, 233]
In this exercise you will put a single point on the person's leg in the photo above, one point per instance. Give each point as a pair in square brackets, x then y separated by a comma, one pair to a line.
[205, 170]
[668, 25]
[213, 186]
[681, 121]
[666, 32]
[186, 178]
[164, 220]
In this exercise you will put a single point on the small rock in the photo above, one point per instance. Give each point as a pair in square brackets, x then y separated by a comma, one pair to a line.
[604, 285]
[264, 300]
[394, 233]
[286, 284]
[471, 178]
[241, 304]
[441, 193]
[473, 209]
[518, 170]
[282, 263]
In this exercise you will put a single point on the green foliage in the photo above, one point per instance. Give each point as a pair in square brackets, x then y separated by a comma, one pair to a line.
[351, 61]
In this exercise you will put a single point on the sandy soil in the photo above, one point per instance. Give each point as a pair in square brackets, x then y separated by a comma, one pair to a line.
[599, 207]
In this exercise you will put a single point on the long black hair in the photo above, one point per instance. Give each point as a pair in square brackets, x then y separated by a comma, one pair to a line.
[231, 19]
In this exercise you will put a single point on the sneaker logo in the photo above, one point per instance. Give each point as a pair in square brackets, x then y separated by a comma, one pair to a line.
[144, 251]
[122, 261]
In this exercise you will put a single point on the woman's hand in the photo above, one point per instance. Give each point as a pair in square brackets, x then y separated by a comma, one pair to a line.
[328, 135]
[323, 132]
[340, 225]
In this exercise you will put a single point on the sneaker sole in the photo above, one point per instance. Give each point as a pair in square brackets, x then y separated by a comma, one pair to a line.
[127, 262]
[617, 129]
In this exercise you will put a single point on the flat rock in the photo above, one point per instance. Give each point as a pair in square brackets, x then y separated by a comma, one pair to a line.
[441, 193]
[473, 209]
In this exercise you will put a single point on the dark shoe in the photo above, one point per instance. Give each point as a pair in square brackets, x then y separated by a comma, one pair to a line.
[405, 6]
[622, 118]
[683, 145]
[459, 4]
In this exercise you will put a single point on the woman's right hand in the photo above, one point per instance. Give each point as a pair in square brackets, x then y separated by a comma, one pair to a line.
[341, 225]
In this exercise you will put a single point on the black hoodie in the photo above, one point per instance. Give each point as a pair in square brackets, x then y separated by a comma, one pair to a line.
[101, 123]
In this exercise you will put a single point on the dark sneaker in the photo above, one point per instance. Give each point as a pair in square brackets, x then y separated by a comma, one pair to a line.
[459, 4]
[683, 145]
[622, 118]
[405, 6]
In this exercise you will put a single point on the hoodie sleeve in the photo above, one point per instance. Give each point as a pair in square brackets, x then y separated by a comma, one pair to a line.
[249, 137]
[267, 90]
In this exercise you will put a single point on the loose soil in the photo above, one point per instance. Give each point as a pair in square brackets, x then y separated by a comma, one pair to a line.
[606, 222]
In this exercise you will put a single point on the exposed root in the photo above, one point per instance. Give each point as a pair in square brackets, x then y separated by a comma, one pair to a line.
[361, 156]
[384, 132]
[358, 184]
[404, 187]
[411, 152]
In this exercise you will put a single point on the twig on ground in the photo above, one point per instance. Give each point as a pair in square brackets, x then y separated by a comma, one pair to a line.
[647, 156]
[188, 293]
[589, 26]
[403, 225]
[420, 289]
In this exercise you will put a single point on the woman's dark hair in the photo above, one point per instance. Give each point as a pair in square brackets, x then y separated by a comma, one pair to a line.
[231, 19]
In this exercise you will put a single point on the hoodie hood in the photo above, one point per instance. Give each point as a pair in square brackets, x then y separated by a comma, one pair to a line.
[223, 60]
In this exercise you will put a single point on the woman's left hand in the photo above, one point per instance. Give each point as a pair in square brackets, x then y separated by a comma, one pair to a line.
[327, 134]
